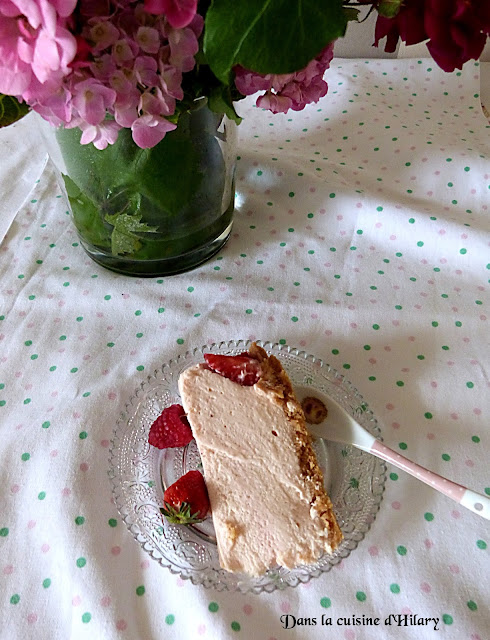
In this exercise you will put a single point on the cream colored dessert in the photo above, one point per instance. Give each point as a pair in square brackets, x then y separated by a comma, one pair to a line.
[266, 491]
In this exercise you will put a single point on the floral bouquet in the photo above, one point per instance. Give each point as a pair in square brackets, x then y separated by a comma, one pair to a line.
[142, 95]
[105, 65]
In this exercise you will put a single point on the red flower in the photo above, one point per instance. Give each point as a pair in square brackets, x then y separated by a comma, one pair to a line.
[408, 25]
[456, 30]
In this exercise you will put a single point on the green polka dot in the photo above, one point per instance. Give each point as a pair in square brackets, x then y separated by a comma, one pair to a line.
[86, 617]
[470, 385]
[15, 599]
[140, 590]
[41, 495]
[137, 312]
[481, 544]
[248, 311]
[325, 603]
[25, 457]
[170, 619]
[376, 327]
[81, 562]
[213, 607]
[394, 588]
[294, 319]
[435, 324]
[429, 516]
[361, 596]
[79, 520]
[47, 583]
[393, 476]
[475, 439]
[112, 522]
[46, 424]
[403, 445]
[428, 415]
[472, 606]
[4, 532]
[367, 347]
[235, 625]
[447, 619]
[463, 251]
[107, 297]
[446, 457]
[82, 435]
[140, 367]
[401, 550]
[400, 383]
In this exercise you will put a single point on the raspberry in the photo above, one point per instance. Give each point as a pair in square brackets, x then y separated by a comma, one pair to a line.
[170, 429]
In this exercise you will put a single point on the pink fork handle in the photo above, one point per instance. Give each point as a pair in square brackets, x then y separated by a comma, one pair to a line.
[477, 503]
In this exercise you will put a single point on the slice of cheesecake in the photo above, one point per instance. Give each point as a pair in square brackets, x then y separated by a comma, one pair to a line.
[268, 503]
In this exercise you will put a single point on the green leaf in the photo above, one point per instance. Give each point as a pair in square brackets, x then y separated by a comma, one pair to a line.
[220, 101]
[86, 215]
[11, 110]
[269, 36]
[389, 8]
[124, 238]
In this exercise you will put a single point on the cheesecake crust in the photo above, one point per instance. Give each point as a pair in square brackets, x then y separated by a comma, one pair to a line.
[276, 381]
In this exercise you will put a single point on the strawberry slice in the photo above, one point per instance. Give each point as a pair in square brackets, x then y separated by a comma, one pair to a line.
[186, 501]
[242, 369]
[170, 429]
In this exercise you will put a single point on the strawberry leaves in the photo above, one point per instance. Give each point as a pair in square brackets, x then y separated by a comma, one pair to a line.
[186, 500]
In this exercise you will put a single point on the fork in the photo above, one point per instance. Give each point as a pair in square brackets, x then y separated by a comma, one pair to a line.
[339, 426]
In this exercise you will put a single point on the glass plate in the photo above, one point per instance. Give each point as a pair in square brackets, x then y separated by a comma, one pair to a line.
[354, 480]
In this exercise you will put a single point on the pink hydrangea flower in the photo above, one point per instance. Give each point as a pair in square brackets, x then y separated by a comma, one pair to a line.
[92, 100]
[100, 135]
[148, 39]
[149, 130]
[34, 43]
[104, 34]
[287, 91]
[179, 13]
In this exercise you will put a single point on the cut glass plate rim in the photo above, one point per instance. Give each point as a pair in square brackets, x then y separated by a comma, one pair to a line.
[133, 466]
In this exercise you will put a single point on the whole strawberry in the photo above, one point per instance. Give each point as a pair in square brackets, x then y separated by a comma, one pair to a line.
[242, 369]
[170, 429]
[186, 501]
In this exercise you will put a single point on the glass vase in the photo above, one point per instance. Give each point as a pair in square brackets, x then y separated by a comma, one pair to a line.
[151, 212]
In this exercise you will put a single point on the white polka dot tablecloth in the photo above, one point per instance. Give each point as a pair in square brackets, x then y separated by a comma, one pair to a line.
[362, 236]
